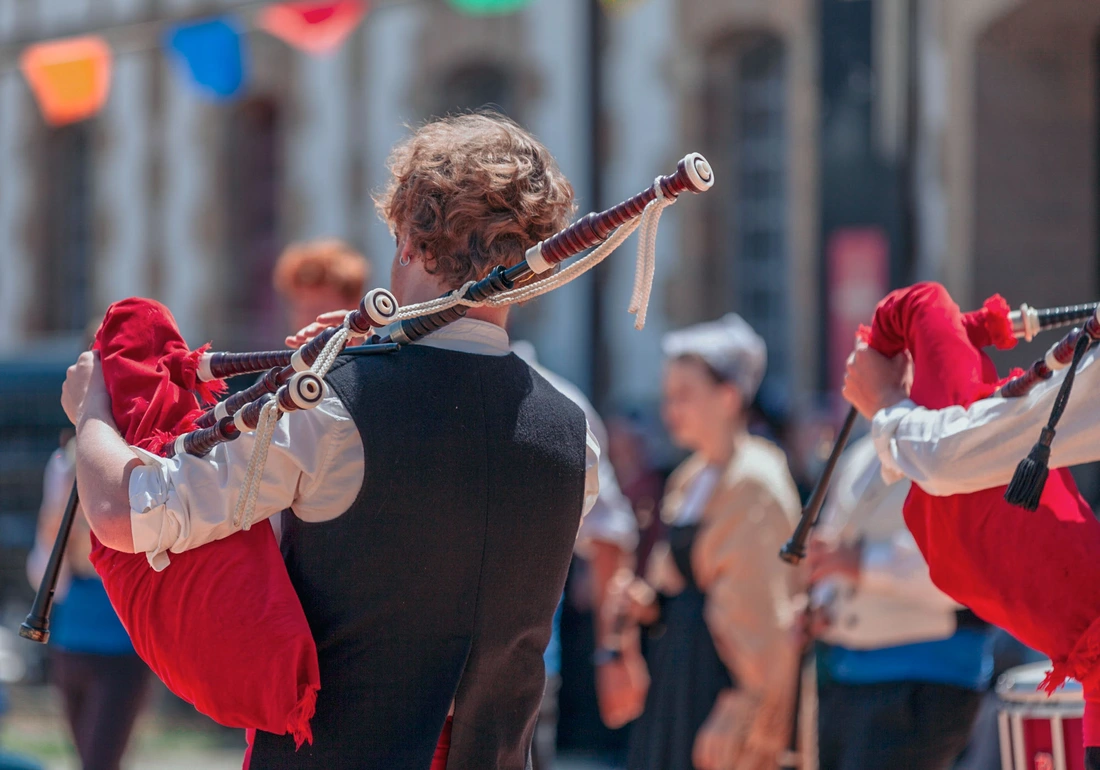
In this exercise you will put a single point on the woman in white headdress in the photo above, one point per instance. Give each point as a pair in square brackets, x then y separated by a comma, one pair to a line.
[717, 599]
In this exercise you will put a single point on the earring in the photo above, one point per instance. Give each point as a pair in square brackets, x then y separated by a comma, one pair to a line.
[403, 260]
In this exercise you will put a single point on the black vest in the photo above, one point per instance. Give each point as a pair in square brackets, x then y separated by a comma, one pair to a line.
[441, 580]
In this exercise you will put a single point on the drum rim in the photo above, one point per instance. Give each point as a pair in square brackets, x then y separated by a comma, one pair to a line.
[1068, 693]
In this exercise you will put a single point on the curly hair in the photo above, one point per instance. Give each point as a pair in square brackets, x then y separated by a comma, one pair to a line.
[472, 192]
[328, 262]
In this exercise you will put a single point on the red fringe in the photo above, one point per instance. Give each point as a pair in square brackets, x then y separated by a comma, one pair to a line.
[209, 392]
[1080, 664]
[297, 725]
[990, 325]
[1000, 328]
[298, 719]
[159, 441]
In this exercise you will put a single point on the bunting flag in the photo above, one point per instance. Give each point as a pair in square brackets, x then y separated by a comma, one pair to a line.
[317, 28]
[70, 78]
[210, 51]
[488, 7]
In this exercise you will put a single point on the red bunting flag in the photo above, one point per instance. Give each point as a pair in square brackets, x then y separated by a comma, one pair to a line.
[70, 78]
[318, 28]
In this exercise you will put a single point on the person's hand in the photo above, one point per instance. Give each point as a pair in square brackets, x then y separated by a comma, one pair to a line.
[325, 320]
[631, 598]
[873, 382]
[84, 392]
[809, 624]
[720, 740]
[802, 629]
[831, 558]
[622, 684]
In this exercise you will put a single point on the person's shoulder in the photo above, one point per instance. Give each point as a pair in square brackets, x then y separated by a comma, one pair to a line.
[571, 392]
[557, 389]
[763, 464]
[685, 473]
[762, 456]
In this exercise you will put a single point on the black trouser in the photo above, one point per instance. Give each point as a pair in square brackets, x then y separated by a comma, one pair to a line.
[911, 725]
[1092, 758]
[103, 695]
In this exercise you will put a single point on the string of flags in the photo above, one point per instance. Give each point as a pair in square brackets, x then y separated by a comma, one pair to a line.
[70, 78]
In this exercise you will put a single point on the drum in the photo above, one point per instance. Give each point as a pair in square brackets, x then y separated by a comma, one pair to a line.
[1037, 732]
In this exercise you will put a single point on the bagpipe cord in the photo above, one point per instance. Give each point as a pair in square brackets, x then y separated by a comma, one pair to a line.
[643, 271]
[265, 430]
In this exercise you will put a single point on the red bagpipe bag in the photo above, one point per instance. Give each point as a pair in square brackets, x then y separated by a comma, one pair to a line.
[1035, 574]
[221, 626]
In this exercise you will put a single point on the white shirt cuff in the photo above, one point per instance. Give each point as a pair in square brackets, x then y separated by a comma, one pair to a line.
[148, 520]
[883, 429]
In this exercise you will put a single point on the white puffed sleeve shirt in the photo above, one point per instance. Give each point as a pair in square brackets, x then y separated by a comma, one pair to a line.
[956, 450]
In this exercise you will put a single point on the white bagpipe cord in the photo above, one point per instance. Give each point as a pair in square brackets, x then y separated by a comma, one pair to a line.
[643, 271]
[647, 256]
[639, 304]
[265, 431]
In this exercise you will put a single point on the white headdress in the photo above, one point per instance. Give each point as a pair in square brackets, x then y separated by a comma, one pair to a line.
[729, 346]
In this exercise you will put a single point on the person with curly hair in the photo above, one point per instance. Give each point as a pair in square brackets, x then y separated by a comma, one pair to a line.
[314, 277]
[436, 492]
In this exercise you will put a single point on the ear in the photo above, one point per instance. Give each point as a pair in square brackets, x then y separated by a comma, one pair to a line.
[408, 253]
[732, 399]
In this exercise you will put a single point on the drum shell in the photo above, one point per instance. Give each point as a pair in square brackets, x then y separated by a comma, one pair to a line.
[1037, 732]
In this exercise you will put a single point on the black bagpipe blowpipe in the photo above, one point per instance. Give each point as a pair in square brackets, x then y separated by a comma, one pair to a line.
[37, 625]
[794, 550]
[1026, 323]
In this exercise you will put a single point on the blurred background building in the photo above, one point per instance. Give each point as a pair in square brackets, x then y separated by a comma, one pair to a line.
[858, 145]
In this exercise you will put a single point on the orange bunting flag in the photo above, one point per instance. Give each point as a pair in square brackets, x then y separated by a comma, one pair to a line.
[70, 78]
[317, 28]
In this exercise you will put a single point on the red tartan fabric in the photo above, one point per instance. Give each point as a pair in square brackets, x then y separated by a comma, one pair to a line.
[1034, 574]
[222, 626]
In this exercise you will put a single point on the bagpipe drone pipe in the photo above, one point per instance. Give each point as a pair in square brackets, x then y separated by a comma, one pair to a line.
[221, 624]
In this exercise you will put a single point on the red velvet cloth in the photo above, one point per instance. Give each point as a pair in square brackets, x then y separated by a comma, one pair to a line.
[1036, 575]
[443, 748]
[222, 626]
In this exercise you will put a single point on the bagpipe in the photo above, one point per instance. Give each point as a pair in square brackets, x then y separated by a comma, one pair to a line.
[1021, 556]
[223, 627]
[1024, 324]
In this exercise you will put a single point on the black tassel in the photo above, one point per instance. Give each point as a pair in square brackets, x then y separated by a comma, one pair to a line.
[1030, 477]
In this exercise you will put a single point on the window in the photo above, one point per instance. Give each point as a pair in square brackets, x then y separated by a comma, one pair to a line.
[65, 249]
[478, 86]
[252, 224]
[757, 236]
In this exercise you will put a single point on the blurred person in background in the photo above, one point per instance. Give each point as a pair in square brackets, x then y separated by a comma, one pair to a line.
[607, 538]
[903, 666]
[315, 277]
[104, 685]
[641, 483]
[717, 600]
[320, 281]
